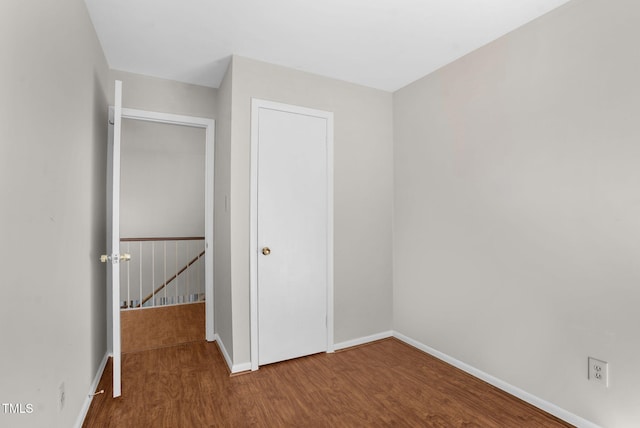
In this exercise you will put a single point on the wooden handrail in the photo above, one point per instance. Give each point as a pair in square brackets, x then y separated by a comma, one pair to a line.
[178, 238]
[164, 284]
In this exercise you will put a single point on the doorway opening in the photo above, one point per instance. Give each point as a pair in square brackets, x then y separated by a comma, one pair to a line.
[162, 227]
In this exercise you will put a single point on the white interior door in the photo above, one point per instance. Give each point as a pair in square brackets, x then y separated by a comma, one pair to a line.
[293, 231]
[113, 237]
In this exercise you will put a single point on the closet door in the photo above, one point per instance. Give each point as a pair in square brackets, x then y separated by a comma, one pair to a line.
[293, 231]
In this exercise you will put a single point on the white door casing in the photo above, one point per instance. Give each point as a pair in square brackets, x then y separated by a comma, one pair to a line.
[292, 215]
[116, 114]
[209, 127]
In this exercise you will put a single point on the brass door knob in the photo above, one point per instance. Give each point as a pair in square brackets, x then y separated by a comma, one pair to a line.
[266, 251]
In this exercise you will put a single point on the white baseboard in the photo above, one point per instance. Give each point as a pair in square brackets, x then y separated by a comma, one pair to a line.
[94, 386]
[225, 354]
[243, 367]
[498, 383]
[363, 340]
[336, 347]
[233, 368]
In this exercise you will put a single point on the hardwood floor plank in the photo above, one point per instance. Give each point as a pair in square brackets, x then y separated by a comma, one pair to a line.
[387, 383]
[150, 328]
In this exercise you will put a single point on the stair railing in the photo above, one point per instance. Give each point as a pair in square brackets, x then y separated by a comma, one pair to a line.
[162, 271]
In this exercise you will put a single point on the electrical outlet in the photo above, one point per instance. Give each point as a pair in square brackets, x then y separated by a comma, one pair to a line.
[599, 371]
[61, 396]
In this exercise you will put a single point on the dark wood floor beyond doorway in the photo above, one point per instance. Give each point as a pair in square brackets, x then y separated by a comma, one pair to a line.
[159, 327]
[386, 383]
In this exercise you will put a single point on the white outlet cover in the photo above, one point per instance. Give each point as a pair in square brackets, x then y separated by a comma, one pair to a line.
[599, 371]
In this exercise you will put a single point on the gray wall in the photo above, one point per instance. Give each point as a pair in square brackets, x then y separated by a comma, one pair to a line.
[162, 180]
[53, 145]
[517, 207]
[222, 219]
[362, 194]
[166, 96]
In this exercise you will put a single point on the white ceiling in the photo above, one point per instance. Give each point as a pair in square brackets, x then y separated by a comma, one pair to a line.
[384, 44]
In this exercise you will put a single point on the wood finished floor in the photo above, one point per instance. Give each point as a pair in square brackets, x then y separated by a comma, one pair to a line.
[150, 328]
[386, 383]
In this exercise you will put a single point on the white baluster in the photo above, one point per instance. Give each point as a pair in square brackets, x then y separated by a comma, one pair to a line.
[196, 288]
[165, 272]
[128, 276]
[176, 283]
[140, 264]
[186, 293]
[153, 273]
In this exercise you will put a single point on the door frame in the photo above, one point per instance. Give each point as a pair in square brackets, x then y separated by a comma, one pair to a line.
[209, 126]
[256, 105]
